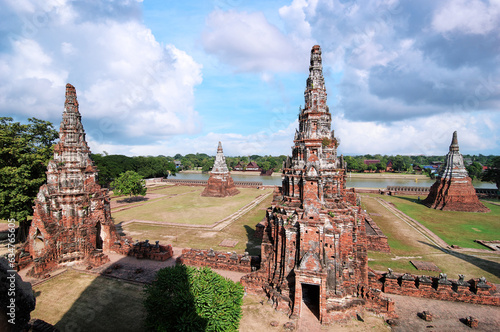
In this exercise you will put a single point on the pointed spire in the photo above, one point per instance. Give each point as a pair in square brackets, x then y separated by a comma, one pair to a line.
[315, 93]
[71, 132]
[454, 143]
[220, 161]
[71, 103]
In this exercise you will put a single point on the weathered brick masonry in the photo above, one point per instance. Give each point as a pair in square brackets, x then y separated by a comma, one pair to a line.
[72, 217]
[156, 252]
[218, 260]
[376, 239]
[477, 291]
[453, 190]
[220, 183]
[314, 242]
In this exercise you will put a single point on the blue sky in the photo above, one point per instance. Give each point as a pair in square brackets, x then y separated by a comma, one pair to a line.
[167, 77]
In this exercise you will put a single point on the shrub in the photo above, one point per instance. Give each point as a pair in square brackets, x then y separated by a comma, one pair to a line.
[184, 298]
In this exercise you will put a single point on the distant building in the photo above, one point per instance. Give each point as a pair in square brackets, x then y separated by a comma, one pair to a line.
[252, 166]
[388, 167]
[239, 167]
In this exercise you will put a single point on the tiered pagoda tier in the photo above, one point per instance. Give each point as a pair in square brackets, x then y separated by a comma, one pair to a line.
[72, 218]
[314, 247]
[220, 183]
[453, 189]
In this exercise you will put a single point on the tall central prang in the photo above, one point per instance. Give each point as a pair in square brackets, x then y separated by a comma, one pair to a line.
[314, 247]
[314, 177]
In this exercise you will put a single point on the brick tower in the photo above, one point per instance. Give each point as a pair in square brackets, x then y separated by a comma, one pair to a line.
[72, 218]
[220, 183]
[314, 244]
[453, 190]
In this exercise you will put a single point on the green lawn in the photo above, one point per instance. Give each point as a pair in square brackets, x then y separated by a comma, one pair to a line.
[407, 244]
[455, 228]
[188, 208]
[241, 230]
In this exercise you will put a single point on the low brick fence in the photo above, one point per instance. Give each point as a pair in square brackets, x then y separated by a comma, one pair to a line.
[377, 241]
[477, 291]
[218, 260]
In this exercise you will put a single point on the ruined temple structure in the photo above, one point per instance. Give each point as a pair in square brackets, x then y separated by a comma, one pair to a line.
[72, 218]
[220, 183]
[453, 190]
[314, 247]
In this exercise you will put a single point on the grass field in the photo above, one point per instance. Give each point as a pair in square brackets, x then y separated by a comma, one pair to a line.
[455, 228]
[186, 206]
[407, 244]
[241, 230]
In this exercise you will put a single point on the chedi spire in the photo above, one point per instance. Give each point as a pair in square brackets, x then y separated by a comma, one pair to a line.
[453, 190]
[220, 183]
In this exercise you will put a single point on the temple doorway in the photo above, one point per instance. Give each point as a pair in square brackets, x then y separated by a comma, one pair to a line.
[310, 297]
[98, 238]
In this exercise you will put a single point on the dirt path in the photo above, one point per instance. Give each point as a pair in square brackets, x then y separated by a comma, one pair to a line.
[424, 231]
[447, 315]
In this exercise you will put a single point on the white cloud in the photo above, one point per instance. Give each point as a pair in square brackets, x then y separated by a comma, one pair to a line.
[467, 16]
[248, 42]
[276, 139]
[428, 136]
[128, 84]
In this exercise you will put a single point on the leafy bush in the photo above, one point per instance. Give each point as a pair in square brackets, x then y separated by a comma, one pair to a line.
[184, 298]
[129, 183]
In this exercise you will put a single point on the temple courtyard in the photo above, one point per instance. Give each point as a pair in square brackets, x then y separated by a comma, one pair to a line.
[109, 297]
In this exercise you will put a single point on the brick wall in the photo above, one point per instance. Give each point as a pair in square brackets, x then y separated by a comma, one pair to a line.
[377, 241]
[217, 260]
[478, 291]
[156, 252]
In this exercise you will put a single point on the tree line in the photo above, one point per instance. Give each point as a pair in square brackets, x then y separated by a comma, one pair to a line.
[402, 163]
[111, 166]
[205, 162]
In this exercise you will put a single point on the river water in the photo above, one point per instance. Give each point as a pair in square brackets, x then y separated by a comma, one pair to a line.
[351, 182]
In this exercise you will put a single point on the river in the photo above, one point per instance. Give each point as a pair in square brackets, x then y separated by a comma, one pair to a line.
[351, 182]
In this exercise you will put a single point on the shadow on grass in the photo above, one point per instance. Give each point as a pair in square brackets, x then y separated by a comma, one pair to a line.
[109, 304]
[133, 199]
[253, 243]
[484, 264]
[413, 199]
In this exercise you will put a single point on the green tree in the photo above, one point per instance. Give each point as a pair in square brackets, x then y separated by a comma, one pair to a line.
[25, 150]
[492, 174]
[184, 298]
[475, 170]
[129, 183]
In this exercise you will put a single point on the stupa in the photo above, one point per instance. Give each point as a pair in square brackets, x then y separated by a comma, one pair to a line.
[453, 190]
[314, 248]
[220, 183]
[72, 216]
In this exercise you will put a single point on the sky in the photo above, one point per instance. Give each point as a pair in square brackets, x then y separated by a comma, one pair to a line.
[163, 77]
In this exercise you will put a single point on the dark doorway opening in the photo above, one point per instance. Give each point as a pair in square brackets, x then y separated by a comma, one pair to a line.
[98, 238]
[310, 297]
